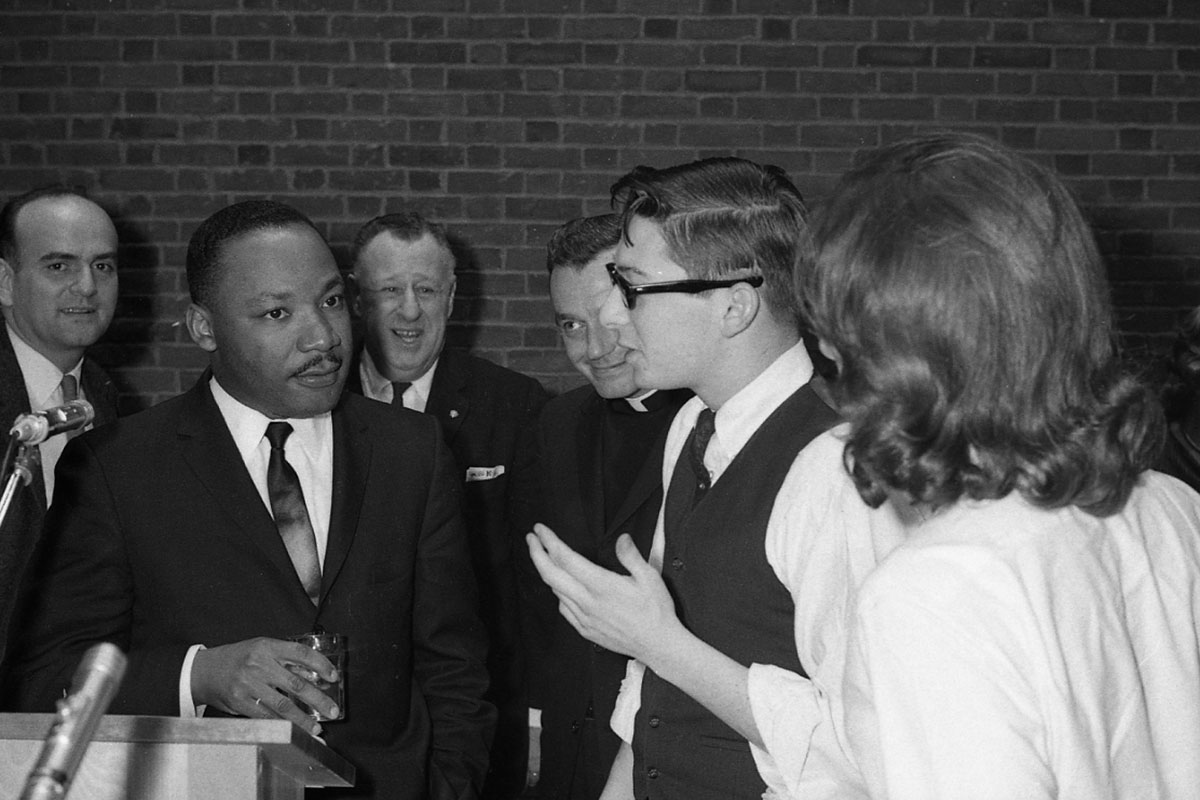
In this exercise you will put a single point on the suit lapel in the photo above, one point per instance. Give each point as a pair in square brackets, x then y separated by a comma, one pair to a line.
[208, 449]
[351, 457]
[589, 462]
[448, 399]
[14, 401]
[645, 485]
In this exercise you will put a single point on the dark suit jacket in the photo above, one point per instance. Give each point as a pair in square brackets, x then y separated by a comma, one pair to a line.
[483, 409]
[23, 525]
[573, 681]
[168, 544]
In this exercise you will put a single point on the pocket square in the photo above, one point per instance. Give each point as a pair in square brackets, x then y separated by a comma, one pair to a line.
[484, 473]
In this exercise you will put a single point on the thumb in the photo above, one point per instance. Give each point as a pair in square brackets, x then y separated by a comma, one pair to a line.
[630, 558]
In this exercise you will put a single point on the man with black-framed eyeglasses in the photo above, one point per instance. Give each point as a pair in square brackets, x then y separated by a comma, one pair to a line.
[631, 292]
[762, 538]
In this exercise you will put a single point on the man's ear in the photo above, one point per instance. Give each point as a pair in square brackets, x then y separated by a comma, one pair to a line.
[200, 328]
[355, 295]
[6, 283]
[450, 295]
[743, 308]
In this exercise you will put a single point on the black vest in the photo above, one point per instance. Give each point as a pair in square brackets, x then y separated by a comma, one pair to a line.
[726, 593]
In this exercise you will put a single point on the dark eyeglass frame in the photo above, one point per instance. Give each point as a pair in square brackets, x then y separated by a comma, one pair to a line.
[630, 291]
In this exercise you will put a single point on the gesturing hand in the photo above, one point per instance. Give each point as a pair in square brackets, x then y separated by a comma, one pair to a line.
[630, 614]
[250, 679]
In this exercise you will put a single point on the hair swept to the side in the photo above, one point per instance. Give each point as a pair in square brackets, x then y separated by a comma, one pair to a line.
[964, 292]
[723, 217]
[575, 243]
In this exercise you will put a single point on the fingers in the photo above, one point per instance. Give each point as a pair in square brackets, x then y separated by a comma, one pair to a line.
[265, 679]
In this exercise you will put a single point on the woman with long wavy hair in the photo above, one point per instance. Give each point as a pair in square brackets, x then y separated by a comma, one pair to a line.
[1036, 635]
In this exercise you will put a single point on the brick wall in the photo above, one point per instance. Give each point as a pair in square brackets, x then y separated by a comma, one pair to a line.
[505, 117]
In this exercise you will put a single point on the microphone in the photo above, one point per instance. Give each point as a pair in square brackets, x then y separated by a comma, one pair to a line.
[40, 426]
[96, 681]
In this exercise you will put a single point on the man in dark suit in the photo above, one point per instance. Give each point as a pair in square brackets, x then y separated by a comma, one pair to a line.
[262, 504]
[58, 290]
[598, 455]
[404, 274]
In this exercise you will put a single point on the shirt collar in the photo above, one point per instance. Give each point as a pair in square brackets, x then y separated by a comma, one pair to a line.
[314, 435]
[377, 387]
[746, 411]
[42, 378]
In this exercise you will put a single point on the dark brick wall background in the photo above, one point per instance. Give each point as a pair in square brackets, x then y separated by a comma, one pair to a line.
[503, 118]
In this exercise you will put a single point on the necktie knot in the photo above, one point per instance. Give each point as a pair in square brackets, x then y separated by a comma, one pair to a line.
[277, 434]
[398, 390]
[70, 388]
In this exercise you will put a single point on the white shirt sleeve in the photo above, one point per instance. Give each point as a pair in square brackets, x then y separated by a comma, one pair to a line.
[629, 700]
[187, 708]
[822, 541]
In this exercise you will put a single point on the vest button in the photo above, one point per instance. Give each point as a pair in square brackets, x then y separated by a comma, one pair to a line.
[676, 563]
[652, 773]
[597, 648]
[575, 726]
[655, 722]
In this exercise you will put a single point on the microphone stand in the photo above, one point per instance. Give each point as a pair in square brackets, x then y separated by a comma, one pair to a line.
[24, 459]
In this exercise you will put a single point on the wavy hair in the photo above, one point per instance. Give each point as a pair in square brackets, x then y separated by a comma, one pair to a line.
[724, 216]
[965, 296]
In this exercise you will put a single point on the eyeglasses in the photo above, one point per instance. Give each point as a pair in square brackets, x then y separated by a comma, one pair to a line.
[631, 291]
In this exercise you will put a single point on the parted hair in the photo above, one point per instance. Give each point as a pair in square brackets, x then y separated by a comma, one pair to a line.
[966, 297]
[574, 244]
[209, 239]
[8, 215]
[722, 217]
[407, 226]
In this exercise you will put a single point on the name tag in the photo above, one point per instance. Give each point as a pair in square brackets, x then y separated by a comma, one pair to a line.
[484, 473]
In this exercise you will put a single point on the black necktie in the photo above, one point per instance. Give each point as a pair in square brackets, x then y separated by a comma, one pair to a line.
[291, 515]
[690, 479]
[706, 426]
[398, 390]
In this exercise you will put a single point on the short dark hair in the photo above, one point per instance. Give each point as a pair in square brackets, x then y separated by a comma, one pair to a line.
[209, 239]
[966, 297]
[725, 216]
[575, 243]
[8, 215]
[407, 226]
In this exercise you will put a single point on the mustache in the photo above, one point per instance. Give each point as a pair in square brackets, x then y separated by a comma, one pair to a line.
[331, 359]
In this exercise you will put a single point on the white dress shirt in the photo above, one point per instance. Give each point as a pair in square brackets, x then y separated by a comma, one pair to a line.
[43, 387]
[821, 541]
[377, 387]
[309, 450]
[1009, 651]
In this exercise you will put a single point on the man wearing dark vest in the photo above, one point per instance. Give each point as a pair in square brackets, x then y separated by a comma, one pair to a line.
[58, 291]
[738, 644]
[598, 456]
[404, 273]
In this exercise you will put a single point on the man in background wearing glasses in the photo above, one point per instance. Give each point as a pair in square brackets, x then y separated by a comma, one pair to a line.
[762, 537]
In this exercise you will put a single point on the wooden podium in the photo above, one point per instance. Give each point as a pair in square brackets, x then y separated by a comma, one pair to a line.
[166, 758]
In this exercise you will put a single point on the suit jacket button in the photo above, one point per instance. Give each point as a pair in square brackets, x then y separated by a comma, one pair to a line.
[652, 773]
[676, 563]
[575, 726]
[655, 722]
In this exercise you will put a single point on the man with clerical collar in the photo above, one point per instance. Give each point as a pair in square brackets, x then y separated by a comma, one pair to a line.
[58, 291]
[404, 274]
[597, 451]
[263, 504]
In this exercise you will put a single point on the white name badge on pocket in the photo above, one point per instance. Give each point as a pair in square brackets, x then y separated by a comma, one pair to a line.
[484, 473]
